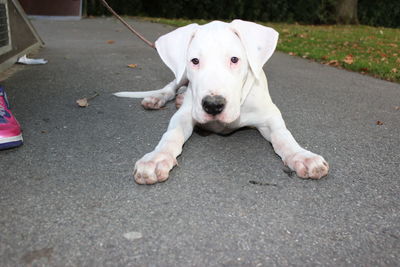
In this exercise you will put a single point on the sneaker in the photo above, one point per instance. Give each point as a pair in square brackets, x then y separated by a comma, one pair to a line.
[10, 131]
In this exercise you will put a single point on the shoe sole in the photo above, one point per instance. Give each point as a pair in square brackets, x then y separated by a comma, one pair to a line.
[10, 142]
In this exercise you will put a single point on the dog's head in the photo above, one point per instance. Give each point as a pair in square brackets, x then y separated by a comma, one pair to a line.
[217, 59]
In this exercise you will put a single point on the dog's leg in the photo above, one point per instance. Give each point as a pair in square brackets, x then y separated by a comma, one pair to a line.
[155, 166]
[305, 163]
[180, 95]
[159, 99]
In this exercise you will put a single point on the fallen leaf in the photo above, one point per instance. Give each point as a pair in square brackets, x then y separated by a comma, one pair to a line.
[364, 69]
[292, 54]
[334, 63]
[394, 70]
[348, 59]
[379, 123]
[324, 57]
[132, 66]
[397, 108]
[83, 102]
[110, 41]
[393, 45]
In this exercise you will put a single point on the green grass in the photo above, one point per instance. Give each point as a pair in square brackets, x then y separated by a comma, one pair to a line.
[369, 50]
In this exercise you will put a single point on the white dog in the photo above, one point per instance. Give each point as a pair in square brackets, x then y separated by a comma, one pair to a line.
[221, 66]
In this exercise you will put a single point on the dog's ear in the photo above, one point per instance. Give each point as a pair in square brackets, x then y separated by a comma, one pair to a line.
[258, 41]
[172, 48]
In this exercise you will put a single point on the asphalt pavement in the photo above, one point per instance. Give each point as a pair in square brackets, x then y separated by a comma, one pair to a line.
[67, 196]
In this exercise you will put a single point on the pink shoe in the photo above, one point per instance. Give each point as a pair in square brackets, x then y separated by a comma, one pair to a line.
[10, 131]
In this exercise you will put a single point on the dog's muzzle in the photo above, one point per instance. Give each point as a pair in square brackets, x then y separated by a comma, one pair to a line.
[213, 105]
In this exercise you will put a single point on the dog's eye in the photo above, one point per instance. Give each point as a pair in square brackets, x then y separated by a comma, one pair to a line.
[195, 61]
[234, 60]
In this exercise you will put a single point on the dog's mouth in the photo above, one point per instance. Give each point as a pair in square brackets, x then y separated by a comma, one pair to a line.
[221, 118]
[212, 118]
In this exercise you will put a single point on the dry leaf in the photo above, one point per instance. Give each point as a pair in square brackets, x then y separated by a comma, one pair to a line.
[397, 108]
[394, 70]
[348, 59]
[110, 41]
[292, 54]
[393, 45]
[132, 66]
[379, 123]
[324, 57]
[83, 102]
[333, 62]
[364, 69]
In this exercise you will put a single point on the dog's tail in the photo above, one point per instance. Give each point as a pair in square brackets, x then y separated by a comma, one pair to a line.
[139, 94]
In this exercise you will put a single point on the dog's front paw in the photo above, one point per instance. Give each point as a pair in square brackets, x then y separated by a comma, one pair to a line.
[153, 167]
[308, 165]
[153, 102]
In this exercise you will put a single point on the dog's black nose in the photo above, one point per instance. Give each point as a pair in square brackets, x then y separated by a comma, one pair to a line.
[213, 105]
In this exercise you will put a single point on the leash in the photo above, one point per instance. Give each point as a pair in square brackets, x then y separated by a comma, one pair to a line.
[127, 25]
